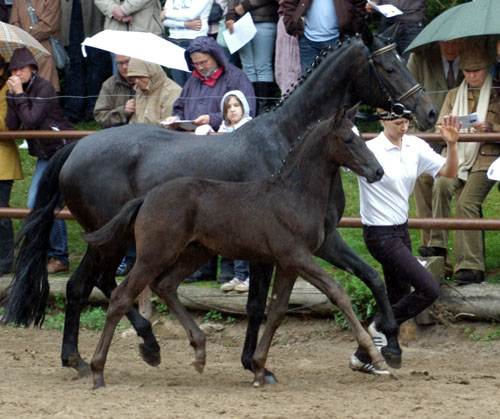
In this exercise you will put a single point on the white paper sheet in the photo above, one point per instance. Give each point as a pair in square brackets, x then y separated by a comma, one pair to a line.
[467, 120]
[388, 10]
[186, 124]
[494, 170]
[244, 31]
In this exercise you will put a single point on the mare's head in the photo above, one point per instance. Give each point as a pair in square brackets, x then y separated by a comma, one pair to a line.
[387, 80]
[347, 147]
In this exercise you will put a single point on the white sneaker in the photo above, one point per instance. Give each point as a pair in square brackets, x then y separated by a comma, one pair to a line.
[378, 338]
[229, 286]
[243, 286]
[356, 365]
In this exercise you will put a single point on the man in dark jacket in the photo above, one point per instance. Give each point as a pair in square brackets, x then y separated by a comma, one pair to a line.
[32, 104]
[320, 23]
[212, 77]
[411, 22]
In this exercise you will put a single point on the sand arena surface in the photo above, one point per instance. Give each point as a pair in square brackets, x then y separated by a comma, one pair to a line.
[444, 375]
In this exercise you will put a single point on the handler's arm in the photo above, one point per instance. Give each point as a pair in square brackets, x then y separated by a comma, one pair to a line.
[450, 133]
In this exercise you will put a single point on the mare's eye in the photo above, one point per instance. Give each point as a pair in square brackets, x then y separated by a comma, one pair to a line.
[389, 70]
[348, 140]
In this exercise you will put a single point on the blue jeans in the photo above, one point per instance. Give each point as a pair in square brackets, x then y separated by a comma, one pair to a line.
[308, 50]
[257, 56]
[241, 269]
[179, 76]
[6, 230]
[58, 235]
[84, 76]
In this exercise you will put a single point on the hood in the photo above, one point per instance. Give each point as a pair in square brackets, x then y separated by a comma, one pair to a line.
[243, 100]
[139, 68]
[208, 45]
[21, 58]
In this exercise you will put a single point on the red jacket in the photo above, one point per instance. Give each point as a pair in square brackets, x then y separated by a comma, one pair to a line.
[350, 15]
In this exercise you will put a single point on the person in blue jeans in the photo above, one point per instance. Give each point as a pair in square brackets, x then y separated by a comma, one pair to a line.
[32, 104]
[320, 23]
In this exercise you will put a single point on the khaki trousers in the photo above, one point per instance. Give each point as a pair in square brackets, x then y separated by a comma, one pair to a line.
[469, 250]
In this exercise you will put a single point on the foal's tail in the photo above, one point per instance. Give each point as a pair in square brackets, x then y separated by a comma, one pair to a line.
[29, 288]
[118, 228]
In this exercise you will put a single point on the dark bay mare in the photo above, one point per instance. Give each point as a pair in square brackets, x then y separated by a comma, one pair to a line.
[103, 171]
[275, 220]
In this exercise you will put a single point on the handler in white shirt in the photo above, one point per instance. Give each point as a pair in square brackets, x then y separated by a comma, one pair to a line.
[384, 214]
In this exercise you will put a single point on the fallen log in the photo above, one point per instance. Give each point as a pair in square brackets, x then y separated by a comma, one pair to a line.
[472, 302]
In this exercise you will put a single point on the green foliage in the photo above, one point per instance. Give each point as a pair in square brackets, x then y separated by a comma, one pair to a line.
[213, 316]
[362, 301]
[60, 300]
[436, 7]
[159, 306]
[491, 334]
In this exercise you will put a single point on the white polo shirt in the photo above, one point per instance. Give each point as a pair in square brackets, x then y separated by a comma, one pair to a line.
[385, 202]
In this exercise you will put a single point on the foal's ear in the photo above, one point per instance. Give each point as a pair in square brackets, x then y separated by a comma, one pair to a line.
[339, 116]
[351, 113]
[367, 36]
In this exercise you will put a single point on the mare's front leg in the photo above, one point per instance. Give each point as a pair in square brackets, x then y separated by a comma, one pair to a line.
[121, 301]
[166, 288]
[308, 269]
[260, 279]
[280, 296]
[336, 251]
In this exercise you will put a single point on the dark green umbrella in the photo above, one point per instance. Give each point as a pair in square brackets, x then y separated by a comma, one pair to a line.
[479, 17]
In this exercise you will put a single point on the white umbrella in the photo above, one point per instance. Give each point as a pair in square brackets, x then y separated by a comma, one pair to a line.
[142, 45]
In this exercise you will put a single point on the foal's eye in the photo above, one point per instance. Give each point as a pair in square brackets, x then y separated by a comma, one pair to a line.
[389, 70]
[348, 140]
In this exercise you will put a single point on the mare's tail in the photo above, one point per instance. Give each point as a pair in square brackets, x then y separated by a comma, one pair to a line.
[29, 288]
[119, 228]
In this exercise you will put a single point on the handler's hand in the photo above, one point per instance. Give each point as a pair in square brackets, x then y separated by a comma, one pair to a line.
[169, 122]
[202, 120]
[369, 8]
[450, 130]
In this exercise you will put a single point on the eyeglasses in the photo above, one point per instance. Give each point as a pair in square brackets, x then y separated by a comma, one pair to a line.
[200, 63]
[121, 63]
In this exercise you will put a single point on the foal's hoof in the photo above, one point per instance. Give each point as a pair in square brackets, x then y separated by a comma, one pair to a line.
[198, 366]
[393, 358]
[150, 356]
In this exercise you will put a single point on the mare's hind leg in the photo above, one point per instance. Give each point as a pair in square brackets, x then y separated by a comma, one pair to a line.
[189, 261]
[336, 251]
[308, 269]
[282, 288]
[122, 299]
[260, 279]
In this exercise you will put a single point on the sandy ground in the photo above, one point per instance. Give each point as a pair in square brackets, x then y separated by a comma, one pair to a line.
[445, 375]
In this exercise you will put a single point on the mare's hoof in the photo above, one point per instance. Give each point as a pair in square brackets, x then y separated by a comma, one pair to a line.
[393, 358]
[81, 367]
[150, 356]
[198, 366]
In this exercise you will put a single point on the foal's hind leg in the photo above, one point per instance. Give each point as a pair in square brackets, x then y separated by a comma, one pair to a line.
[260, 279]
[193, 258]
[282, 288]
[122, 299]
[336, 251]
[308, 269]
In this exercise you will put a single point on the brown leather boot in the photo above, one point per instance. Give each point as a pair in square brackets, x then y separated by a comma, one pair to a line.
[55, 266]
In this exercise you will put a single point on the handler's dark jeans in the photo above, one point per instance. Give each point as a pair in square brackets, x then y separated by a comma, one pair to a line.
[391, 246]
[6, 230]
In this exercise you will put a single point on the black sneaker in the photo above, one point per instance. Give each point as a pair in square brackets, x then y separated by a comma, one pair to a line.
[469, 276]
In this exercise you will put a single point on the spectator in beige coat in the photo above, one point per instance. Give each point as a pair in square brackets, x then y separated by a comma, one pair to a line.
[155, 93]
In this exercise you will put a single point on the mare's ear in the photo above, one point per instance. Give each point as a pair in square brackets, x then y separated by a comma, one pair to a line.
[390, 32]
[367, 36]
[351, 113]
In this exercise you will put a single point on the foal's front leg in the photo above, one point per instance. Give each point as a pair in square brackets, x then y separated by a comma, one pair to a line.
[122, 299]
[308, 269]
[282, 289]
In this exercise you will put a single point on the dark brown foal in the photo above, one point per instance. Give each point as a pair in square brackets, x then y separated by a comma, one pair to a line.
[178, 224]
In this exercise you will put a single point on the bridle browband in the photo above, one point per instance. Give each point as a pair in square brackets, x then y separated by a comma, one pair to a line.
[397, 107]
